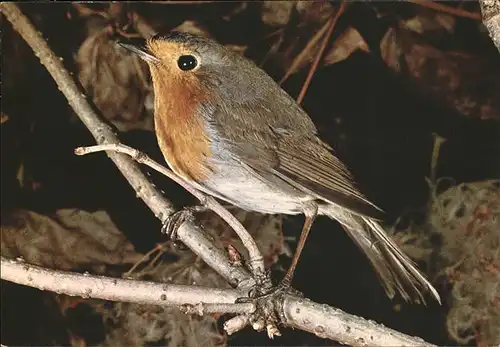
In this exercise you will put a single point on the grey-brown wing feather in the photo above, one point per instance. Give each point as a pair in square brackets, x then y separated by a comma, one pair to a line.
[315, 168]
[286, 147]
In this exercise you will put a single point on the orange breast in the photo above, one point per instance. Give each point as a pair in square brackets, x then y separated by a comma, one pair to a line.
[180, 131]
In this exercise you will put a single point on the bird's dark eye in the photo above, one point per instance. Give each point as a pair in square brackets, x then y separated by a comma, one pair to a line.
[187, 62]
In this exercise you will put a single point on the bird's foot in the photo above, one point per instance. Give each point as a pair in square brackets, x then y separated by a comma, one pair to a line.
[175, 220]
[258, 293]
[269, 313]
[284, 287]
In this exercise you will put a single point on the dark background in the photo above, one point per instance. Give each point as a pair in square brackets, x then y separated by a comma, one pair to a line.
[381, 123]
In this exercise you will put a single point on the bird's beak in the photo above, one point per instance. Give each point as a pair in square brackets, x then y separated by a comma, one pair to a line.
[140, 49]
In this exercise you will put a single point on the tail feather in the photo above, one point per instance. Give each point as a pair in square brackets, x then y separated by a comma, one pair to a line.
[394, 268]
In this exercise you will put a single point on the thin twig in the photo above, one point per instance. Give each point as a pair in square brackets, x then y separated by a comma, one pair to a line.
[256, 259]
[158, 248]
[235, 324]
[447, 9]
[318, 57]
[274, 48]
[189, 233]
[438, 142]
[297, 61]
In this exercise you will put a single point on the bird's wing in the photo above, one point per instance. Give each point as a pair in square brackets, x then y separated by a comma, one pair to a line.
[311, 165]
[276, 148]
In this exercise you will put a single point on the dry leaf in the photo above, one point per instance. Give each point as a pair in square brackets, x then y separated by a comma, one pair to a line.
[314, 12]
[192, 27]
[240, 7]
[315, 18]
[277, 13]
[391, 50]
[65, 240]
[4, 118]
[307, 54]
[466, 82]
[118, 82]
[469, 83]
[430, 21]
[349, 42]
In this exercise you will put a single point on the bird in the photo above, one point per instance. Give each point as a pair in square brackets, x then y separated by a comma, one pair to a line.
[226, 127]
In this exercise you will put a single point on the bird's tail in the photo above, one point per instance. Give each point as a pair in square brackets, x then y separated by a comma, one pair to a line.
[394, 268]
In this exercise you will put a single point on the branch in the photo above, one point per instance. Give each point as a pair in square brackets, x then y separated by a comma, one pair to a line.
[328, 322]
[321, 320]
[189, 233]
[256, 258]
[113, 289]
[490, 10]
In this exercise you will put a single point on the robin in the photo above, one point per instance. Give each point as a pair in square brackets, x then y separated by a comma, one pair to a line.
[229, 129]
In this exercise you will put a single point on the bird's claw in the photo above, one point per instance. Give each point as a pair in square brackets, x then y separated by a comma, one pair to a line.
[258, 294]
[283, 288]
[269, 306]
[175, 220]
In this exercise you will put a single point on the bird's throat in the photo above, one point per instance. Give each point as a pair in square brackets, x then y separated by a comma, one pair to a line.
[181, 130]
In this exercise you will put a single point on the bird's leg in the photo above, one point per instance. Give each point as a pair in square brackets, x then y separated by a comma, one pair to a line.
[310, 213]
[174, 220]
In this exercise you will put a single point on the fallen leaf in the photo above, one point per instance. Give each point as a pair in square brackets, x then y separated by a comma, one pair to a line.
[117, 81]
[346, 44]
[277, 13]
[192, 27]
[65, 240]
